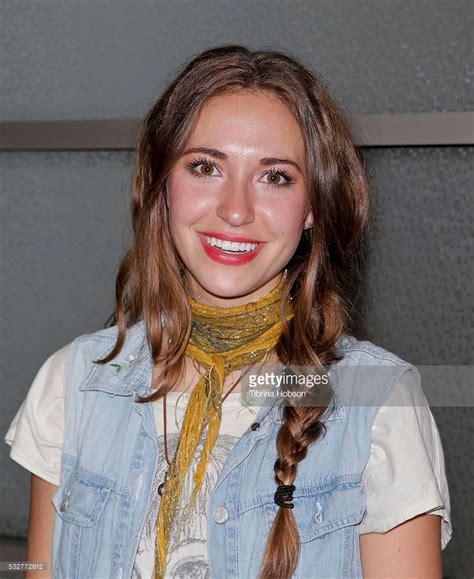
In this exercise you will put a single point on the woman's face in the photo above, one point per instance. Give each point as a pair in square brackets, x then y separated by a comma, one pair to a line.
[237, 198]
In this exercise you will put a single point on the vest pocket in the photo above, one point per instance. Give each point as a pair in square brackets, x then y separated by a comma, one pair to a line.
[81, 502]
[327, 517]
[324, 508]
[80, 505]
[321, 513]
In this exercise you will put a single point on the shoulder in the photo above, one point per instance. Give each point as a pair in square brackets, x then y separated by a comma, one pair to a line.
[406, 414]
[46, 391]
[408, 393]
[354, 350]
[102, 336]
[101, 342]
[48, 381]
[366, 373]
[56, 361]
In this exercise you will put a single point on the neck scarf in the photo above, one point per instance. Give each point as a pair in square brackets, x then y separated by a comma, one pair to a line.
[222, 340]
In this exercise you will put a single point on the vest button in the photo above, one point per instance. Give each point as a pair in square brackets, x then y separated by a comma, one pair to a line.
[64, 503]
[255, 426]
[221, 514]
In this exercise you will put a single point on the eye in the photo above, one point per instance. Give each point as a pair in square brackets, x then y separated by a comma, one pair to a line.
[278, 178]
[203, 168]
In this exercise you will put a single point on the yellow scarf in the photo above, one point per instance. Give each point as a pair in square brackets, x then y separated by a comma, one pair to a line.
[222, 340]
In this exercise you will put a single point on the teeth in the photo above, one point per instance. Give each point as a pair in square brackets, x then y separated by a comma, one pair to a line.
[234, 246]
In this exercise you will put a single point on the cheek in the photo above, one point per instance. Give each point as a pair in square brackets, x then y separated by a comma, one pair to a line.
[185, 203]
[285, 217]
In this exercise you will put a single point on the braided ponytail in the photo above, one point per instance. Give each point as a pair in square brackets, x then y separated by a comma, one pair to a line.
[300, 427]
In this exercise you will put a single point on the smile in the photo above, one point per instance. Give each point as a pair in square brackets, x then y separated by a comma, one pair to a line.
[230, 252]
[230, 246]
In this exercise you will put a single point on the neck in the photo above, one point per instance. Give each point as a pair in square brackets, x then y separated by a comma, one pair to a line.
[206, 298]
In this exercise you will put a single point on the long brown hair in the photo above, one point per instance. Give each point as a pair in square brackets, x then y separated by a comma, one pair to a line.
[150, 280]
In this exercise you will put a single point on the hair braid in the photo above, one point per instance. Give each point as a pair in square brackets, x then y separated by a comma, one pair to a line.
[298, 430]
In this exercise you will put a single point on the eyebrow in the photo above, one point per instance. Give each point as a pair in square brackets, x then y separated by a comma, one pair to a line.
[266, 161]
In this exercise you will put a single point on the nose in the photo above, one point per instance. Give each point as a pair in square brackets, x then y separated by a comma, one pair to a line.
[236, 204]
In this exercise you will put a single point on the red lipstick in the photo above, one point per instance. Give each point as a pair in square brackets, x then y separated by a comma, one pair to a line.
[220, 256]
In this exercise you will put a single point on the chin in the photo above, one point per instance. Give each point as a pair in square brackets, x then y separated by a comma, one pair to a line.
[228, 289]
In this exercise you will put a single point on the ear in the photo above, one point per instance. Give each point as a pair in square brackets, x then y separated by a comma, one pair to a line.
[308, 222]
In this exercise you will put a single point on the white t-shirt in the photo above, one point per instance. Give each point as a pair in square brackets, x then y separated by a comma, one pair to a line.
[404, 477]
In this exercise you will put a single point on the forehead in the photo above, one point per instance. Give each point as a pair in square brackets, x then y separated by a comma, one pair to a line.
[250, 119]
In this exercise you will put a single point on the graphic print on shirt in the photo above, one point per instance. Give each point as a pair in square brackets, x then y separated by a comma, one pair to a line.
[187, 549]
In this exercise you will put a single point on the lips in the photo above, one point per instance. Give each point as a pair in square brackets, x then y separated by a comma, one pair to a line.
[250, 248]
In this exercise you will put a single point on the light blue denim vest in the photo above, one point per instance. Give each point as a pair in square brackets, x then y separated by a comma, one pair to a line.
[110, 458]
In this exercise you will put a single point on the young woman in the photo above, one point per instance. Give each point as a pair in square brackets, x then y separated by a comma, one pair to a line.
[249, 205]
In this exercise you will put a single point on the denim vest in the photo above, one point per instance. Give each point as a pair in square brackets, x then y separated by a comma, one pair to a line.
[110, 458]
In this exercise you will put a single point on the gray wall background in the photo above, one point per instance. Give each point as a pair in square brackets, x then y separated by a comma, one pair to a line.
[64, 215]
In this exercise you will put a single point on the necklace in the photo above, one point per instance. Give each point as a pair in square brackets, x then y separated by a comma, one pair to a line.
[165, 440]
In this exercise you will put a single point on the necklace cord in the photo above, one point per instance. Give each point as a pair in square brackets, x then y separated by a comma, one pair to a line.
[165, 435]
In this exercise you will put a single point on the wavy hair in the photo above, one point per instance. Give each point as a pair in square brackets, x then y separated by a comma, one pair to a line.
[150, 279]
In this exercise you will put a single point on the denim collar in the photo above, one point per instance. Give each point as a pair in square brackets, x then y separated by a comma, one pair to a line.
[130, 373]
